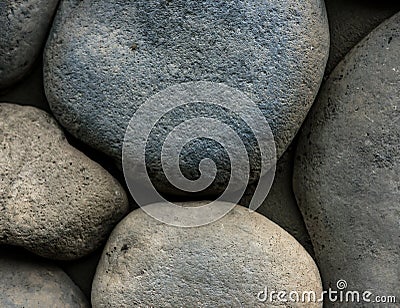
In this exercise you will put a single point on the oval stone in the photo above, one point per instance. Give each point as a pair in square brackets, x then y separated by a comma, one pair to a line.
[104, 60]
[54, 200]
[233, 262]
[347, 171]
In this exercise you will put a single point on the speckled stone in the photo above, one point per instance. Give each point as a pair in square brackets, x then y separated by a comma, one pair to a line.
[347, 170]
[55, 201]
[105, 59]
[28, 283]
[224, 264]
[24, 25]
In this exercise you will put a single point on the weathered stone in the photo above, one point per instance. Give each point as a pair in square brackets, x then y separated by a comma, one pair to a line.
[224, 264]
[347, 171]
[28, 283]
[24, 25]
[55, 201]
[104, 59]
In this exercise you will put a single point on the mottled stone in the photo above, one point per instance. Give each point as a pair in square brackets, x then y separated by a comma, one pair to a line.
[55, 201]
[24, 25]
[33, 283]
[224, 264]
[105, 59]
[347, 170]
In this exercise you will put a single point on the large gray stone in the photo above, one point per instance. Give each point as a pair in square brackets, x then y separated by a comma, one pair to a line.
[225, 264]
[24, 25]
[104, 59]
[55, 201]
[28, 283]
[347, 171]
[280, 205]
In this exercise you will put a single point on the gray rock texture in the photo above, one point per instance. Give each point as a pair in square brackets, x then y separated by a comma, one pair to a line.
[225, 264]
[24, 25]
[280, 206]
[34, 284]
[54, 200]
[347, 170]
[104, 59]
[351, 20]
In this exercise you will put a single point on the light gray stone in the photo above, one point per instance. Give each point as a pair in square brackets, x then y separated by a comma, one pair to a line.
[32, 283]
[347, 171]
[54, 200]
[224, 264]
[24, 25]
[104, 59]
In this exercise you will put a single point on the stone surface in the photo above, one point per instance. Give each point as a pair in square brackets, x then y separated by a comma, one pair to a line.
[24, 25]
[104, 59]
[347, 170]
[55, 201]
[280, 205]
[32, 283]
[225, 264]
[351, 20]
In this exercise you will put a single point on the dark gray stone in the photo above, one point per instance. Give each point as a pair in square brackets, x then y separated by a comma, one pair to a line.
[352, 20]
[28, 283]
[24, 25]
[224, 264]
[55, 201]
[347, 170]
[104, 59]
[280, 205]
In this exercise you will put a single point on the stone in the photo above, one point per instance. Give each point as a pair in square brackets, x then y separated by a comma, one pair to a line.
[351, 20]
[228, 263]
[347, 170]
[34, 283]
[55, 201]
[24, 24]
[280, 205]
[103, 60]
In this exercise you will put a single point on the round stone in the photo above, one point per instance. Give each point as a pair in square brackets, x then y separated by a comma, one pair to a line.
[233, 262]
[55, 201]
[347, 171]
[33, 283]
[24, 25]
[104, 60]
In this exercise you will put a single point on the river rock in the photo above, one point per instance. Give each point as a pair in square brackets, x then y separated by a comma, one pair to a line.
[24, 26]
[103, 60]
[228, 263]
[347, 171]
[55, 201]
[28, 283]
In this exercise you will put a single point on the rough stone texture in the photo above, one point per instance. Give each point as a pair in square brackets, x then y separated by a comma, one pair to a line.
[351, 20]
[54, 200]
[280, 205]
[347, 170]
[104, 59]
[27, 283]
[225, 264]
[24, 25]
